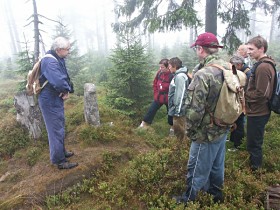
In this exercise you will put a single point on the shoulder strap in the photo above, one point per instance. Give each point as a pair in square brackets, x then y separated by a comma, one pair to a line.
[170, 77]
[47, 56]
[275, 77]
[265, 61]
[246, 70]
[219, 66]
[158, 74]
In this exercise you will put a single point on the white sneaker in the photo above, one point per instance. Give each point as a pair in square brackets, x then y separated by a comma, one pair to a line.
[143, 125]
[233, 149]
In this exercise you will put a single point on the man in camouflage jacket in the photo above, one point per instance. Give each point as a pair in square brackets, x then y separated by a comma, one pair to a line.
[207, 151]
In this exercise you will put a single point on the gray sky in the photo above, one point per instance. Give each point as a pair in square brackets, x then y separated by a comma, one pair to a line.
[85, 11]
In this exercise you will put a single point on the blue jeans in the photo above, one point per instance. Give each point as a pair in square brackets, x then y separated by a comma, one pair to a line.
[255, 135]
[206, 168]
[155, 106]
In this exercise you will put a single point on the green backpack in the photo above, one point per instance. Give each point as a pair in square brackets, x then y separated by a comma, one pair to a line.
[231, 101]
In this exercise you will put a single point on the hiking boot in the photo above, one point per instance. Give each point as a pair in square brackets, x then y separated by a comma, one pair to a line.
[67, 165]
[69, 154]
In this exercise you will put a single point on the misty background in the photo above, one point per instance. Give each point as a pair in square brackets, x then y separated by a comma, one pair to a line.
[89, 21]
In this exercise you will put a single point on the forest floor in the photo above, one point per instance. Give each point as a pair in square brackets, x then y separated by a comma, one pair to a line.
[23, 186]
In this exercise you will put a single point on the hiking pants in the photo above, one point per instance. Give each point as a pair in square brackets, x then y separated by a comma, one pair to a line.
[206, 168]
[237, 135]
[52, 108]
[255, 135]
[150, 115]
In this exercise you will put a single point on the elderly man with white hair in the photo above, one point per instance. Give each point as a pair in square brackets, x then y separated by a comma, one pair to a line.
[51, 100]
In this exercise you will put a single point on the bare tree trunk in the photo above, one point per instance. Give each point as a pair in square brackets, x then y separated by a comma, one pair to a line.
[36, 33]
[253, 24]
[116, 21]
[105, 32]
[15, 42]
[191, 38]
[98, 36]
[29, 114]
[211, 16]
[272, 27]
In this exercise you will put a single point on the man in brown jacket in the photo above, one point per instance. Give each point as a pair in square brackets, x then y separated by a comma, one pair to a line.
[258, 93]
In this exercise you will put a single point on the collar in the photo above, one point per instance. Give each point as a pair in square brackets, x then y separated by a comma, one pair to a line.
[209, 59]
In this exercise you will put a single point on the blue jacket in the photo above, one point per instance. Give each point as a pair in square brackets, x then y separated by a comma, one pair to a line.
[56, 73]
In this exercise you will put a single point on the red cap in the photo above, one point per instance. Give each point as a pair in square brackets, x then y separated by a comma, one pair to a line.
[207, 40]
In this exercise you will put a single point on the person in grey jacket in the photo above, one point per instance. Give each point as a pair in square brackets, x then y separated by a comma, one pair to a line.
[176, 96]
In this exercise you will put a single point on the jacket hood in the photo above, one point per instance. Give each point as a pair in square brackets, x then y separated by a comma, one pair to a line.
[268, 58]
[183, 69]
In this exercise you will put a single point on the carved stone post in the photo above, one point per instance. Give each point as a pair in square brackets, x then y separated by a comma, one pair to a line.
[91, 111]
[29, 114]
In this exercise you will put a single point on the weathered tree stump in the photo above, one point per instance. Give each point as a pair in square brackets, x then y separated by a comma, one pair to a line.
[29, 114]
[91, 111]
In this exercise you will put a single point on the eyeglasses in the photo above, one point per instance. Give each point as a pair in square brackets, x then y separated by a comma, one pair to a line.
[67, 49]
[195, 48]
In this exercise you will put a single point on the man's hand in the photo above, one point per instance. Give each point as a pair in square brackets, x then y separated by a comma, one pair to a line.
[64, 96]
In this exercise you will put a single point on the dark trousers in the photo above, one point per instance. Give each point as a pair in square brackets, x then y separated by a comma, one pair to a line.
[155, 106]
[52, 108]
[237, 135]
[255, 135]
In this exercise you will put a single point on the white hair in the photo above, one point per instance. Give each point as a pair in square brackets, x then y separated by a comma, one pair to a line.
[60, 43]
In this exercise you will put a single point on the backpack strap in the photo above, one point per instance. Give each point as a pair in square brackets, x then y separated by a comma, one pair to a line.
[170, 77]
[275, 77]
[219, 66]
[275, 80]
[47, 56]
[246, 70]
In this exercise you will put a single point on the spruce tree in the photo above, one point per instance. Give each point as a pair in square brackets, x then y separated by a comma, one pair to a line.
[129, 84]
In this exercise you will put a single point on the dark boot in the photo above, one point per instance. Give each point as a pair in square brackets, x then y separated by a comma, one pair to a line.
[69, 154]
[67, 165]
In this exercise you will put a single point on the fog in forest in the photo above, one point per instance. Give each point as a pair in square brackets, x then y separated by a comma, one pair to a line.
[88, 20]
